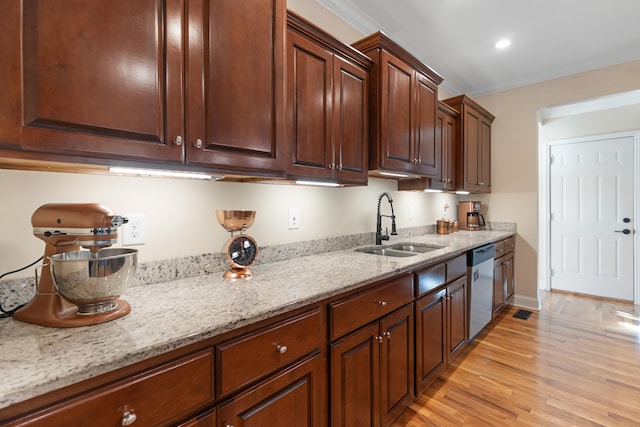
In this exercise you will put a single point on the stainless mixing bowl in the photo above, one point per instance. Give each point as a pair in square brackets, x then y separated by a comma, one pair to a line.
[93, 280]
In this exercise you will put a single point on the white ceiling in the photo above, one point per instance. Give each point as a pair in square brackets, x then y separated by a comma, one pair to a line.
[456, 38]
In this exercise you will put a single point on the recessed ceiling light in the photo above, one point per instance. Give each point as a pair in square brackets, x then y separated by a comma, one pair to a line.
[503, 44]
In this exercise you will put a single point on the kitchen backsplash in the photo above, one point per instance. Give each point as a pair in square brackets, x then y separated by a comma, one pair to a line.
[18, 291]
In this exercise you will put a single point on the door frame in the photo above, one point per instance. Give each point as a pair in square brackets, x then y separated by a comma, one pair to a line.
[544, 204]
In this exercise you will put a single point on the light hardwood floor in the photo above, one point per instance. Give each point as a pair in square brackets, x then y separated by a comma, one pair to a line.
[571, 364]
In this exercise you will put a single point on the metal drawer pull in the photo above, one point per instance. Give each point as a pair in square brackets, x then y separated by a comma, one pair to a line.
[282, 348]
[382, 303]
[128, 418]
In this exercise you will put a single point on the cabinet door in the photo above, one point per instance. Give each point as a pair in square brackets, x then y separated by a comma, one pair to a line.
[509, 277]
[457, 316]
[427, 155]
[498, 285]
[355, 379]
[102, 78]
[472, 146]
[397, 91]
[445, 137]
[294, 397]
[430, 338]
[350, 121]
[448, 152]
[309, 84]
[484, 173]
[396, 363]
[236, 86]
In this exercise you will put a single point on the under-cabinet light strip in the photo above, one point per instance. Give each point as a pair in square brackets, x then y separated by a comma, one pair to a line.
[163, 173]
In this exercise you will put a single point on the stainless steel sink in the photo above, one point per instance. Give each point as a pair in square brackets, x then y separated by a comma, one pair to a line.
[400, 249]
[420, 248]
[387, 252]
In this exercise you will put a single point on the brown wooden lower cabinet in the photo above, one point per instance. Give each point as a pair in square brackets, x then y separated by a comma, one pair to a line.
[293, 397]
[503, 275]
[441, 322]
[431, 330]
[372, 372]
[160, 396]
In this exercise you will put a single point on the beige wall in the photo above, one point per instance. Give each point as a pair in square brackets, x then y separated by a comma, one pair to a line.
[180, 214]
[514, 151]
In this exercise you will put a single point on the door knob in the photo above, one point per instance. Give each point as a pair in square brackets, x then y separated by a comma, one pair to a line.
[625, 231]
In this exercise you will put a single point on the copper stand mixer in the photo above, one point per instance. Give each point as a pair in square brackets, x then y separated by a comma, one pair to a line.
[79, 288]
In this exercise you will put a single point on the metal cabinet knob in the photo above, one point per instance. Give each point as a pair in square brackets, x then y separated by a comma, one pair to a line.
[382, 303]
[178, 140]
[282, 349]
[332, 166]
[198, 143]
[388, 335]
[378, 338]
[128, 418]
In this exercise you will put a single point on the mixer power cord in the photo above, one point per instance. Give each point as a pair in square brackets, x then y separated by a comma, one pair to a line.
[8, 313]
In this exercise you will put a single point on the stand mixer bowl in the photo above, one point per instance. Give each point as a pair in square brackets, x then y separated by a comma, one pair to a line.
[93, 280]
[236, 220]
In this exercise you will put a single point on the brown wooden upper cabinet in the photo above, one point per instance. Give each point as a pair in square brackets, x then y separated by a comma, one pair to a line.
[404, 94]
[327, 108]
[446, 136]
[198, 82]
[473, 145]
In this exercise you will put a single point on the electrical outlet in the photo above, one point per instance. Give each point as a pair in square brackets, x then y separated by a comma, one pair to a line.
[133, 232]
[294, 219]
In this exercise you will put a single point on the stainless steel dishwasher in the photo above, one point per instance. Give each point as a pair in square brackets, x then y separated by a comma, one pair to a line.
[480, 281]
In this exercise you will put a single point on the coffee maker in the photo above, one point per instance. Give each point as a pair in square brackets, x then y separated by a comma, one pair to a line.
[469, 216]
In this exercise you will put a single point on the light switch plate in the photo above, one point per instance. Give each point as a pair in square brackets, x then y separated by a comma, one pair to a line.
[294, 219]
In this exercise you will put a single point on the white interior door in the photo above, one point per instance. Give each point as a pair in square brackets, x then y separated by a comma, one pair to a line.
[591, 199]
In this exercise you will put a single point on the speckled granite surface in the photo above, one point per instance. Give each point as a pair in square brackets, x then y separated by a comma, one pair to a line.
[170, 314]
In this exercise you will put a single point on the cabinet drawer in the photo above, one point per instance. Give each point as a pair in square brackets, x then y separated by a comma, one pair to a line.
[350, 313]
[161, 396]
[430, 278]
[499, 249]
[249, 357]
[456, 267]
[509, 244]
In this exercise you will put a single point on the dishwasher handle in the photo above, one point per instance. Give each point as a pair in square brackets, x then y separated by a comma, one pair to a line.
[481, 254]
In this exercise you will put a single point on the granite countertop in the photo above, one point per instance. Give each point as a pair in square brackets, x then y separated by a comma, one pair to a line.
[35, 360]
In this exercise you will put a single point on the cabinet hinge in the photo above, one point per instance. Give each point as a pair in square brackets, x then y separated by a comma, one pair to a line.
[552, 272]
[551, 159]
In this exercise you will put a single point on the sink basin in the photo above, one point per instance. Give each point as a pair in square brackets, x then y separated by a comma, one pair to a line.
[420, 248]
[400, 249]
[387, 252]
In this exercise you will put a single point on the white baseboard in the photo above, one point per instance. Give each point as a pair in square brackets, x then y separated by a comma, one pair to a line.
[526, 302]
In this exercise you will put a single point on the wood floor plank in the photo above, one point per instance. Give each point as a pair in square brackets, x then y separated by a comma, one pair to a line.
[574, 363]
